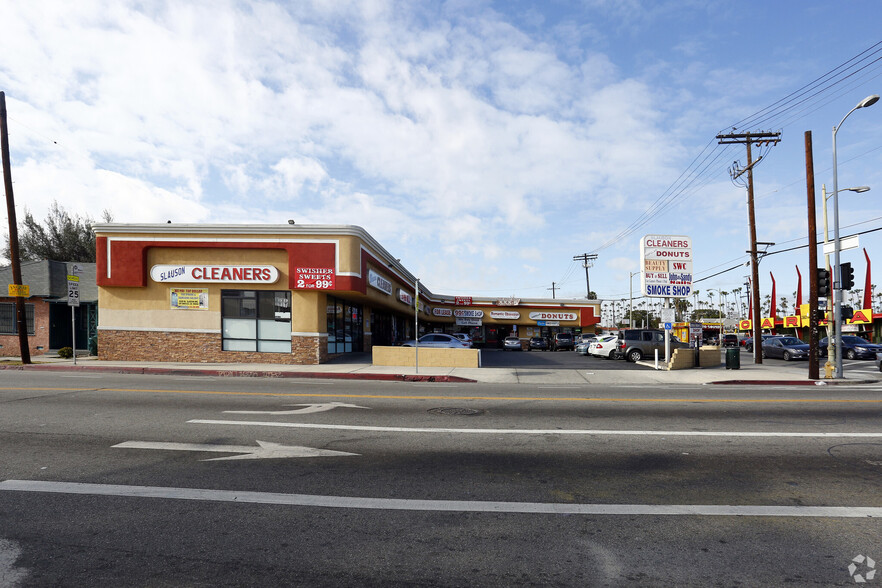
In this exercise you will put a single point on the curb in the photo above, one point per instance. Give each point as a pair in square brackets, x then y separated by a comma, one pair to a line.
[794, 382]
[242, 373]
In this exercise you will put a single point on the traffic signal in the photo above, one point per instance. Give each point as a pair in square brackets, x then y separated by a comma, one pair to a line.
[823, 282]
[847, 273]
[847, 313]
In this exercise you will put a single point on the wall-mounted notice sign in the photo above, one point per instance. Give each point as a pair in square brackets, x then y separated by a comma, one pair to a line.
[314, 278]
[189, 298]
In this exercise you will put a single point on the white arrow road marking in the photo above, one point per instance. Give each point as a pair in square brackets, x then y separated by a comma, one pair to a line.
[309, 408]
[549, 508]
[265, 451]
[821, 435]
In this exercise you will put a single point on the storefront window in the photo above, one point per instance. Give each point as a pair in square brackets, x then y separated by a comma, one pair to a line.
[345, 326]
[256, 320]
[9, 322]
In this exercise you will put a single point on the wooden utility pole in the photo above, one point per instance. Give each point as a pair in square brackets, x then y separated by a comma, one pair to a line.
[13, 235]
[553, 289]
[747, 139]
[814, 364]
[587, 261]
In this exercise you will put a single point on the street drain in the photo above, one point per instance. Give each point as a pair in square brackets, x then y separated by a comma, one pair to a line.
[456, 411]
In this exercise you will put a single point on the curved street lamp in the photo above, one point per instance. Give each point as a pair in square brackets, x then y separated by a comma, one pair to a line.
[837, 281]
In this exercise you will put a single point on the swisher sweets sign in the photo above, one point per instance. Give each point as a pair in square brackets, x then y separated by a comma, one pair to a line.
[666, 266]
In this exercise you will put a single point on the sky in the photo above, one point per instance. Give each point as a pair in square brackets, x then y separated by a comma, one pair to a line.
[485, 144]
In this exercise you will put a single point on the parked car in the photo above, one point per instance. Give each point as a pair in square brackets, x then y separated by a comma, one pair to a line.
[730, 340]
[438, 340]
[604, 347]
[586, 337]
[879, 361]
[563, 342]
[464, 337]
[537, 344]
[511, 344]
[853, 347]
[786, 348]
[748, 343]
[635, 344]
[582, 347]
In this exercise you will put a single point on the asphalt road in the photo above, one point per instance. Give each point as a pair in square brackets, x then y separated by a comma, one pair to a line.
[127, 481]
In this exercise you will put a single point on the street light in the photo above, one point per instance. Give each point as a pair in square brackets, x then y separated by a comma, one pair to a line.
[837, 281]
[631, 294]
[828, 367]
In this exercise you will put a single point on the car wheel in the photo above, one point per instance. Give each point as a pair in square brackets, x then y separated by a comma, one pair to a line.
[763, 353]
[849, 354]
[635, 355]
[786, 356]
[749, 348]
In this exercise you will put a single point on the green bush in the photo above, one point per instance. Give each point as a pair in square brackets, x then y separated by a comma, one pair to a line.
[65, 353]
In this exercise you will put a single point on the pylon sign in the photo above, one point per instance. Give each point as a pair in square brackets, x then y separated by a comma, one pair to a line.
[666, 266]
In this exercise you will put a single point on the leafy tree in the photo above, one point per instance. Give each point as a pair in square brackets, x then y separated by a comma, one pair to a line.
[61, 237]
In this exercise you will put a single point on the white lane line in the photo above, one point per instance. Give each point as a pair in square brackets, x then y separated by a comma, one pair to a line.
[533, 431]
[439, 505]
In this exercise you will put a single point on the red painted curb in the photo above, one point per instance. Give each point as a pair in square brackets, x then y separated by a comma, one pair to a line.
[240, 373]
[794, 382]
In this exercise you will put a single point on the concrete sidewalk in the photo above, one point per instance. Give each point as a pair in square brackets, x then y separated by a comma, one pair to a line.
[794, 373]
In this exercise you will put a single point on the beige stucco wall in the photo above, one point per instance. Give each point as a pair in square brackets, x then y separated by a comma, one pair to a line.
[429, 357]
[150, 307]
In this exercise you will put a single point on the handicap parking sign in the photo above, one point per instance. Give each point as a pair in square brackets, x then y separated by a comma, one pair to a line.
[668, 326]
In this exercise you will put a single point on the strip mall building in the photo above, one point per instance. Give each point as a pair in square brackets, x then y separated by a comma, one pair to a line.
[301, 294]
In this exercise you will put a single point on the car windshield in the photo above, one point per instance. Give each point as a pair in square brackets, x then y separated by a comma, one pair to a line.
[852, 340]
[790, 341]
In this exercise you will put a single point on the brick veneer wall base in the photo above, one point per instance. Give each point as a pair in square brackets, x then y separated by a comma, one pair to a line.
[10, 344]
[199, 348]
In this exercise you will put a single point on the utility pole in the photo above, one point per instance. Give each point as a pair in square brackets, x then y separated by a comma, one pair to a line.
[587, 261]
[553, 289]
[760, 138]
[13, 235]
[814, 368]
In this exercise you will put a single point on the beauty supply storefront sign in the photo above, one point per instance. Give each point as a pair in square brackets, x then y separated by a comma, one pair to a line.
[666, 266]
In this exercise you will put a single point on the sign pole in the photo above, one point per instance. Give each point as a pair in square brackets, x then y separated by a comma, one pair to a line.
[73, 333]
[73, 300]
[416, 325]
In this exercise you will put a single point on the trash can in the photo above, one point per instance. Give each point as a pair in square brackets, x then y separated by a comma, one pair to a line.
[733, 358]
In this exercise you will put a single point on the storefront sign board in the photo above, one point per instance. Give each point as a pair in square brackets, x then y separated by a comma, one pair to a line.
[666, 266]
[379, 282]
[505, 315]
[405, 297]
[462, 300]
[469, 322]
[442, 312]
[227, 274]
[468, 313]
[553, 316]
[314, 278]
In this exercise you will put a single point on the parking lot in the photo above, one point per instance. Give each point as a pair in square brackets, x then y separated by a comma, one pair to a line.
[565, 360]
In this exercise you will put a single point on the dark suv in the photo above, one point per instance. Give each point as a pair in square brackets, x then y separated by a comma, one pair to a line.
[635, 344]
[564, 341]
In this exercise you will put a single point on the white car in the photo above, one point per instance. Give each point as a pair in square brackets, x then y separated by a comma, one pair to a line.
[464, 337]
[438, 340]
[604, 347]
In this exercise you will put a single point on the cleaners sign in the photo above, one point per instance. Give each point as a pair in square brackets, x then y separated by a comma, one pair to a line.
[666, 266]
[231, 274]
